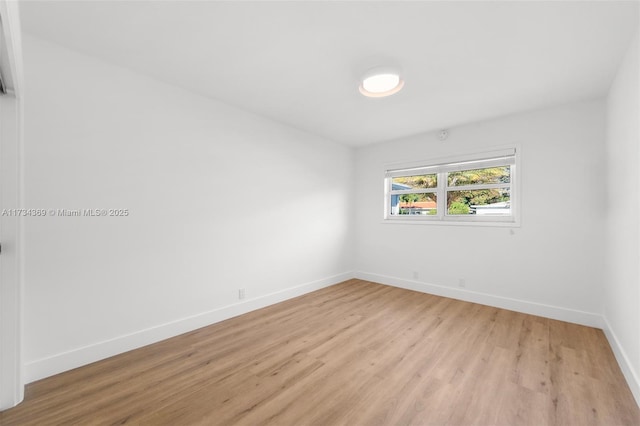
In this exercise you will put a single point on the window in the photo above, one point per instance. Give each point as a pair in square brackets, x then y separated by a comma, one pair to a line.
[473, 189]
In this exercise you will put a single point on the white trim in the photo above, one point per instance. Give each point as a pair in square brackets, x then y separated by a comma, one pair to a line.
[11, 383]
[449, 222]
[414, 191]
[518, 305]
[633, 380]
[58, 363]
[11, 193]
[479, 187]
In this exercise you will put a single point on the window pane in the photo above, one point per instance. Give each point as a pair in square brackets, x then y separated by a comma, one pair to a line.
[481, 202]
[413, 204]
[414, 182]
[480, 176]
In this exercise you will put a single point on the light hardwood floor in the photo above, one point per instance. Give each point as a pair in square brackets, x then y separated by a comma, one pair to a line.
[356, 353]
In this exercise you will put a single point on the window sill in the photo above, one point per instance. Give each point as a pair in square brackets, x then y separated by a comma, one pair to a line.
[505, 224]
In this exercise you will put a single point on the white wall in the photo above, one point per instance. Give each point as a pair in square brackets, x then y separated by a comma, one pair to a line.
[219, 200]
[622, 276]
[551, 265]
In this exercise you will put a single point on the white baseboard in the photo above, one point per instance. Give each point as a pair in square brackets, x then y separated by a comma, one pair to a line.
[45, 367]
[547, 311]
[633, 380]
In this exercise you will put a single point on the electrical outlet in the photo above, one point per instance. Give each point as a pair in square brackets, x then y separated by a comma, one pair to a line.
[241, 293]
[462, 283]
[416, 275]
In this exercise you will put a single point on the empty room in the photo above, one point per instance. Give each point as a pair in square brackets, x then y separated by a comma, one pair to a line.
[319, 212]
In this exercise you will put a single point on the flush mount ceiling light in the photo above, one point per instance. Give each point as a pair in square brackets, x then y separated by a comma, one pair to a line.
[381, 83]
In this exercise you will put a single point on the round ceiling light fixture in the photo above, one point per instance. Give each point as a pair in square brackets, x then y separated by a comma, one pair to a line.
[380, 83]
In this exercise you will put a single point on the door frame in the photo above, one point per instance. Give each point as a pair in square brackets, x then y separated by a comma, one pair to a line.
[11, 197]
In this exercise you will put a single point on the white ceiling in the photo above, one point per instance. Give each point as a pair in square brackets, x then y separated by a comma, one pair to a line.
[299, 62]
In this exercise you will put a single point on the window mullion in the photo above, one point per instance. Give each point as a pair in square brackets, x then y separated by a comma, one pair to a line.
[413, 191]
[478, 187]
[441, 204]
[387, 197]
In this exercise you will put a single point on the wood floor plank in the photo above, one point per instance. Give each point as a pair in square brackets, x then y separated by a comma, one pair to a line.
[357, 353]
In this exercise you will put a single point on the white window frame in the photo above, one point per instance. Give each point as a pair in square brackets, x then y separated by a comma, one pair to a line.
[441, 166]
